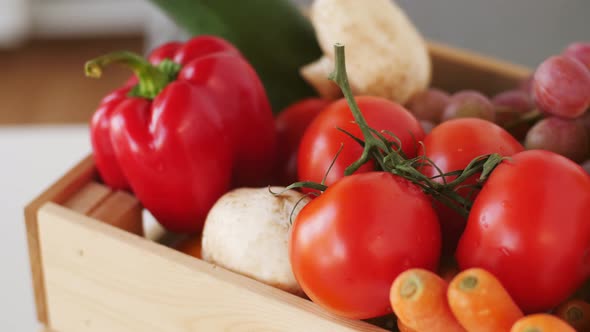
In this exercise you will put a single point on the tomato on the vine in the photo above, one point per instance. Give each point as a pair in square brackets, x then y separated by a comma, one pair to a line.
[323, 139]
[452, 145]
[530, 227]
[291, 124]
[348, 245]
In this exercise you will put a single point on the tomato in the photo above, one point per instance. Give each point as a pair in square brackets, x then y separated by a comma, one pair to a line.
[348, 245]
[322, 139]
[530, 227]
[291, 124]
[452, 145]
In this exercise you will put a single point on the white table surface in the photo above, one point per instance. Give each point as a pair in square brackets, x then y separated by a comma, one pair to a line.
[31, 158]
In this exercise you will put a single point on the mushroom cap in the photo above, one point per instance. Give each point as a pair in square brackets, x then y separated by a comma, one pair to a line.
[385, 54]
[247, 231]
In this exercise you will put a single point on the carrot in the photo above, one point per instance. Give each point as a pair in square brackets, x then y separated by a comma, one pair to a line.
[481, 303]
[190, 246]
[541, 323]
[403, 328]
[576, 313]
[418, 298]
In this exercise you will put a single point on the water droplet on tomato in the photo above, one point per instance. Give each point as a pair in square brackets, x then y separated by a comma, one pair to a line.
[483, 222]
[504, 251]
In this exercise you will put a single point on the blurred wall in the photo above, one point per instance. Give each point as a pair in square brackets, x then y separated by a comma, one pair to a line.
[522, 31]
[44, 43]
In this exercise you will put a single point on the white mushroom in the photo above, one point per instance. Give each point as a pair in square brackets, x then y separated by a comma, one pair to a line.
[385, 54]
[247, 231]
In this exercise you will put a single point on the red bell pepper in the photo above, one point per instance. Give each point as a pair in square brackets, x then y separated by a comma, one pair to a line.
[194, 123]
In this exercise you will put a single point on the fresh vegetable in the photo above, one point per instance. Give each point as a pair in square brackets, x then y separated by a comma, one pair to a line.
[190, 246]
[541, 323]
[195, 125]
[451, 146]
[276, 44]
[325, 137]
[403, 328]
[419, 300]
[480, 302]
[350, 243]
[247, 231]
[561, 87]
[387, 56]
[529, 227]
[576, 313]
[291, 124]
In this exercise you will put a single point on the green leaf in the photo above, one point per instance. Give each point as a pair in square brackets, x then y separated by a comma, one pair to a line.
[272, 34]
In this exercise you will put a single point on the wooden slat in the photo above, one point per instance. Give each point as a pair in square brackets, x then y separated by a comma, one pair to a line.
[88, 197]
[59, 192]
[455, 69]
[105, 279]
[122, 210]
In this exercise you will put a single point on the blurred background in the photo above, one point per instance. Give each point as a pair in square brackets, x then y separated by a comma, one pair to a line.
[46, 102]
[44, 43]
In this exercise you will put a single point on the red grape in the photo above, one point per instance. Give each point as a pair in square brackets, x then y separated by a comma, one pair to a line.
[564, 136]
[429, 104]
[561, 87]
[526, 85]
[516, 101]
[427, 126]
[580, 52]
[511, 106]
[469, 104]
[585, 120]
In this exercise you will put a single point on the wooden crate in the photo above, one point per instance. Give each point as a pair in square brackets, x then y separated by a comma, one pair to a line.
[93, 270]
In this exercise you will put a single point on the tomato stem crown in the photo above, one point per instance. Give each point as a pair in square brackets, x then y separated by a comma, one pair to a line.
[389, 157]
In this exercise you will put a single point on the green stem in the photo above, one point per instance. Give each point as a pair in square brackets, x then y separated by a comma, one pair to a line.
[340, 77]
[391, 159]
[152, 79]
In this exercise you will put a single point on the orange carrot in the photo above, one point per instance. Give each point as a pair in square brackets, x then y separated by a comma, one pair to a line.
[541, 323]
[403, 328]
[576, 313]
[190, 246]
[481, 303]
[418, 298]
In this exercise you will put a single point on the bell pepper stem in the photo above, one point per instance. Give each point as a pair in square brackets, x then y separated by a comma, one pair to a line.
[152, 79]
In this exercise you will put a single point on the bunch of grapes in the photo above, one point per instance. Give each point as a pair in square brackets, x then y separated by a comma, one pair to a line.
[548, 111]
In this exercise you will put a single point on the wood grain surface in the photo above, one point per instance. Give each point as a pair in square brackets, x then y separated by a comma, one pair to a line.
[106, 279]
[44, 82]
